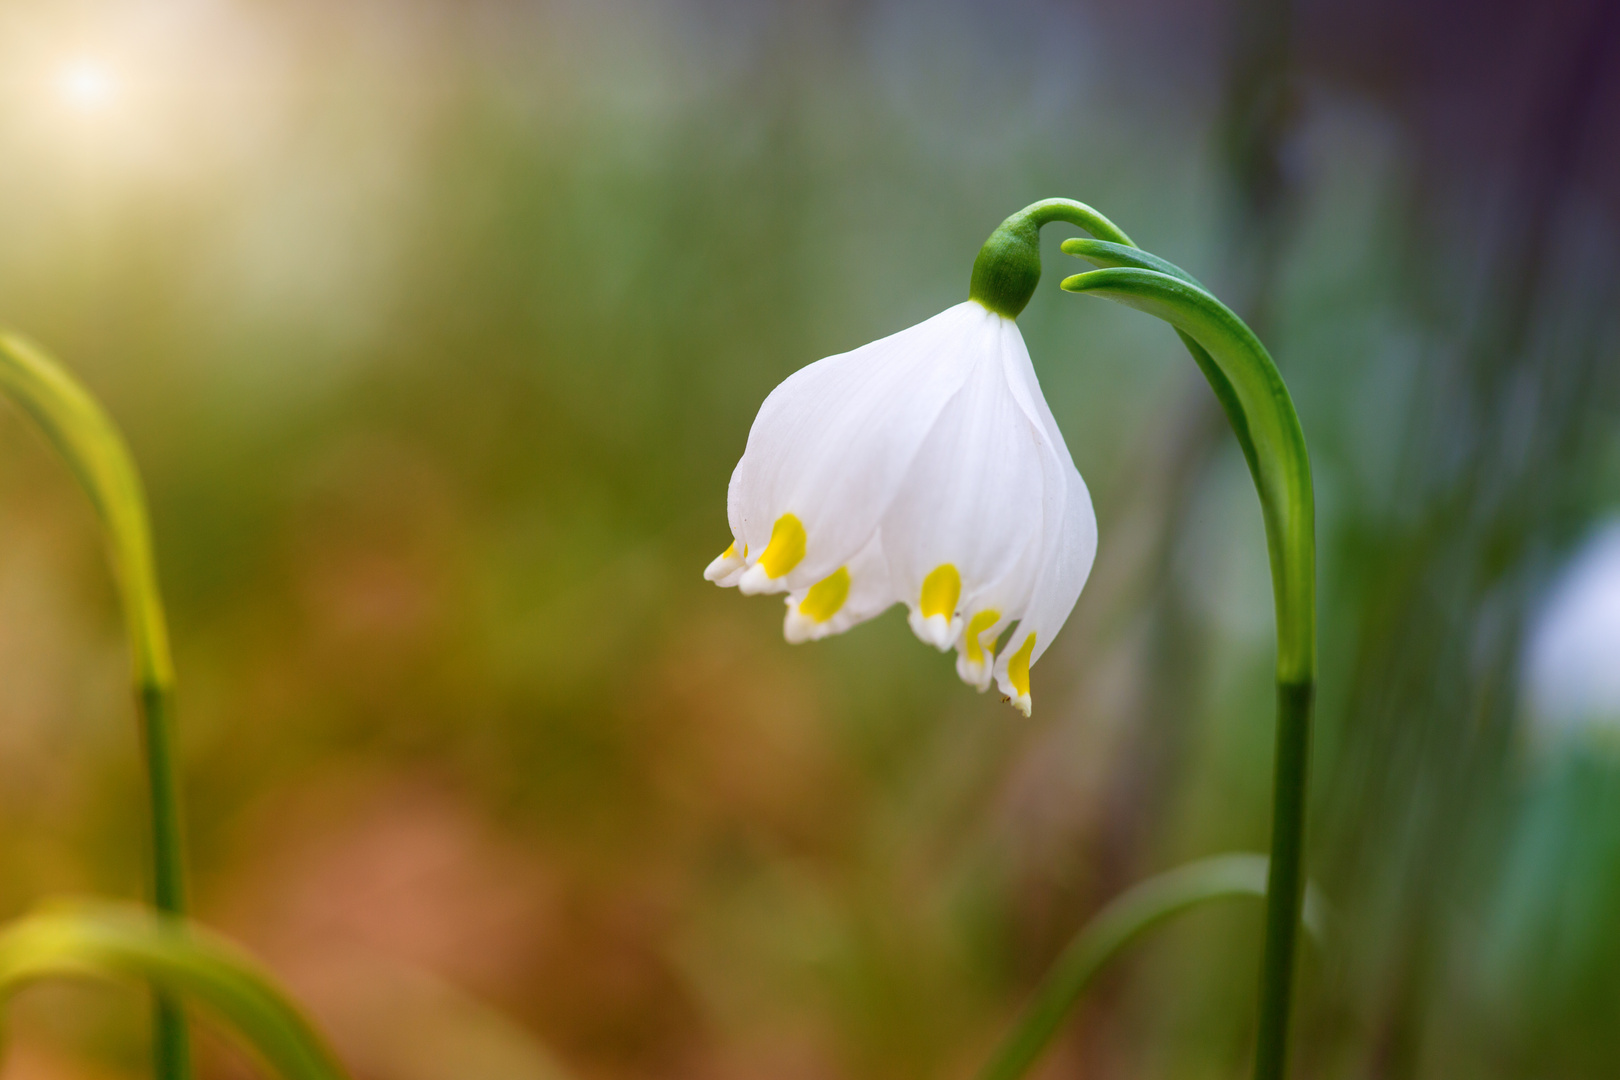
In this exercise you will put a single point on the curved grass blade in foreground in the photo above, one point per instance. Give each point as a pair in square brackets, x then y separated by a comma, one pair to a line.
[118, 942]
[85, 436]
[1122, 922]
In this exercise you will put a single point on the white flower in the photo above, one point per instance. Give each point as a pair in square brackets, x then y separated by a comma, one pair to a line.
[1572, 660]
[923, 469]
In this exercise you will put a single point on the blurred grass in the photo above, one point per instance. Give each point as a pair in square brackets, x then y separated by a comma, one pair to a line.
[437, 329]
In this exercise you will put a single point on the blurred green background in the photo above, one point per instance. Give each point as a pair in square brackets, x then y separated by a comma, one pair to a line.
[437, 327]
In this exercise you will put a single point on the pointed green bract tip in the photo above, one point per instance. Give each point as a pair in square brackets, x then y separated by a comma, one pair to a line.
[1008, 266]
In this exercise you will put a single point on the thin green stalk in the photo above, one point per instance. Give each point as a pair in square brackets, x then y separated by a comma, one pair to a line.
[1123, 921]
[1285, 891]
[95, 451]
[113, 941]
[171, 1048]
[1258, 406]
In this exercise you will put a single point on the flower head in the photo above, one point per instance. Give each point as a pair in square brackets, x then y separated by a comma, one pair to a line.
[923, 469]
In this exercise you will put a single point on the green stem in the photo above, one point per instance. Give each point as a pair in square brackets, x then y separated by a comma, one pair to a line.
[95, 451]
[168, 885]
[171, 1049]
[1286, 887]
[1261, 412]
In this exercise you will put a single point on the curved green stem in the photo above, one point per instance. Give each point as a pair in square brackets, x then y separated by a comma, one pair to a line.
[95, 451]
[1104, 253]
[110, 941]
[1008, 266]
[1257, 402]
[1125, 919]
[1281, 465]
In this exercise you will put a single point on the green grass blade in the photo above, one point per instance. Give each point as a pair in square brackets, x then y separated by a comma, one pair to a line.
[95, 451]
[117, 942]
[1122, 922]
[91, 444]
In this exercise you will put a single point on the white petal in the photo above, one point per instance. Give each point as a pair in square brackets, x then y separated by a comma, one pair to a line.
[849, 595]
[832, 443]
[973, 505]
[976, 647]
[1002, 603]
[1064, 569]
[1069, 547]
[727, 568]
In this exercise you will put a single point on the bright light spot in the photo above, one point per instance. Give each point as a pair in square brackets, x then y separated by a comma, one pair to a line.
[86, 85]
[1572, 665]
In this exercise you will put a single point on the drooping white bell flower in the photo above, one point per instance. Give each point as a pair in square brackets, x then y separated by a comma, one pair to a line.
[923, 469]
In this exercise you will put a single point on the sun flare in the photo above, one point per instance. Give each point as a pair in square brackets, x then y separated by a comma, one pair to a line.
[86, 85]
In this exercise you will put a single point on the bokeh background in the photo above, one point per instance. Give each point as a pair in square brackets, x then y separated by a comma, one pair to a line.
[437, 326]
